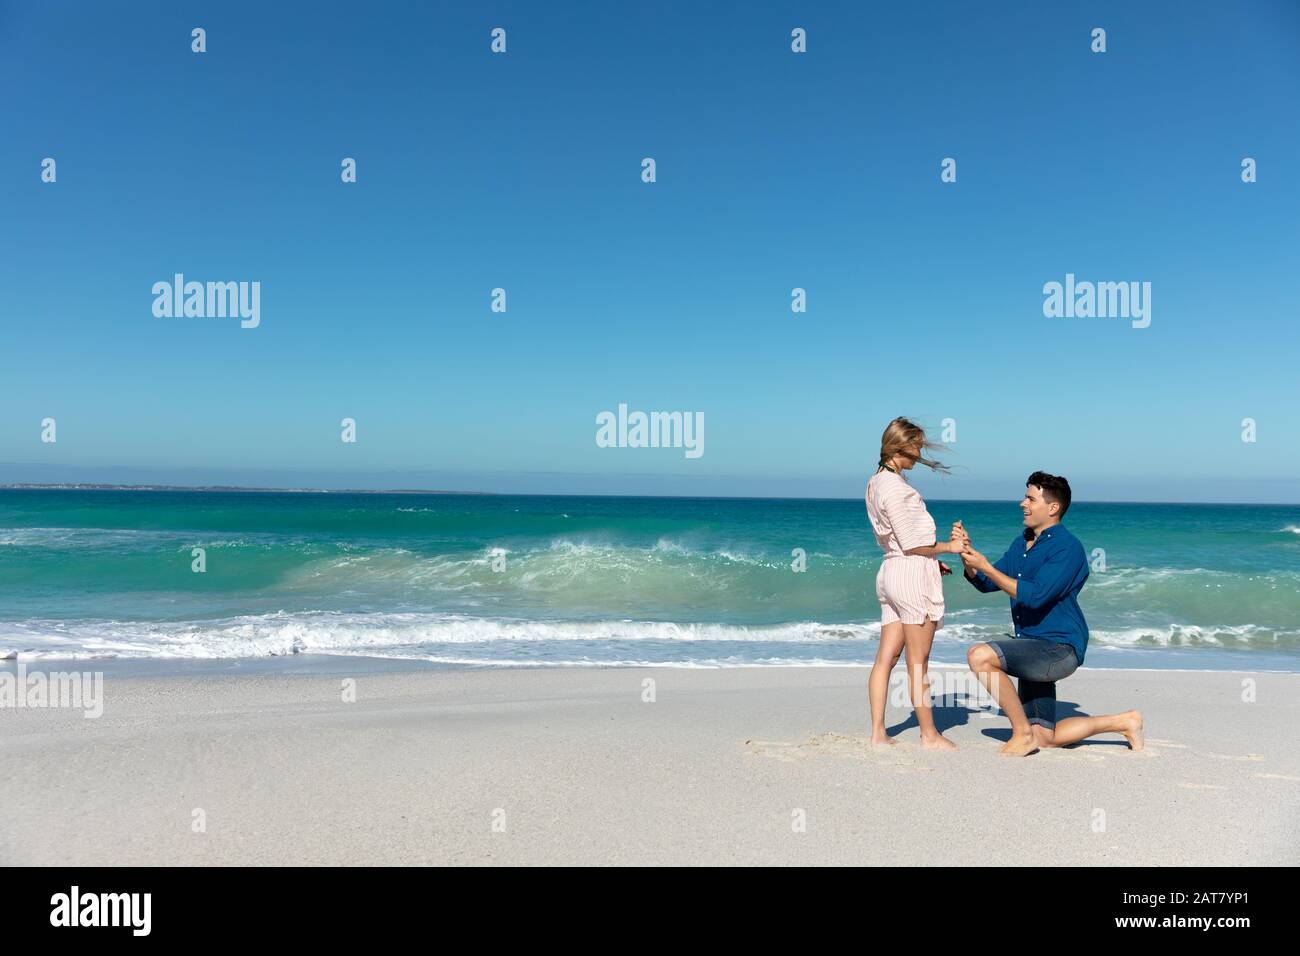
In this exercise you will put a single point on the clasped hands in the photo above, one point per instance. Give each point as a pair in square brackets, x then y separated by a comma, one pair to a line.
[959, 543]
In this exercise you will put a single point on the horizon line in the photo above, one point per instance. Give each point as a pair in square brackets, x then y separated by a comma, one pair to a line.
[246, 489]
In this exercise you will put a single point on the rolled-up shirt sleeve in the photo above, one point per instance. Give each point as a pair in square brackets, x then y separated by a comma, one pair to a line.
[908, 518]
[1052, 579]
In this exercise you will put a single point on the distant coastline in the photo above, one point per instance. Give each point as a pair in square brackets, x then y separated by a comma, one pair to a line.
[257, 489]
[95, 486]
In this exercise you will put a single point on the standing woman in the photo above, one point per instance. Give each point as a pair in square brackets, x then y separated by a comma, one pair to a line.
[908, 583]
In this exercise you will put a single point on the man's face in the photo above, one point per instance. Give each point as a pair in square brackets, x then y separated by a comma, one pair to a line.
[1036, 510]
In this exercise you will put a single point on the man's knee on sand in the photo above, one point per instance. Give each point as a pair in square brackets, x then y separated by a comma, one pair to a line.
[1043, 736]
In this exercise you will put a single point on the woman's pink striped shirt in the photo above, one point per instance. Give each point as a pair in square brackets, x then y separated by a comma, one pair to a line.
[908, 585]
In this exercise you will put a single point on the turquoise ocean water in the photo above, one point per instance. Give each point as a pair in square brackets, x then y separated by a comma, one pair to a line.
[490, 580]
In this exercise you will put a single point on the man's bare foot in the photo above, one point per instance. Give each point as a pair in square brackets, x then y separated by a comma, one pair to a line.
[884, 740]
[1133, 732]
[937, 742]
[1020, 745]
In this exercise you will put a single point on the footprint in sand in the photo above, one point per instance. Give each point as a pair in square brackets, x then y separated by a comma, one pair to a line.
[1236, 756]
[1144, 752]
[900, 757]
[771, 748]
[1067, 753]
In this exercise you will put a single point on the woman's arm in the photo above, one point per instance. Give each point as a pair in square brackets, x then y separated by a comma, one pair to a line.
[954, 545]
[934, 550]
[912, 526]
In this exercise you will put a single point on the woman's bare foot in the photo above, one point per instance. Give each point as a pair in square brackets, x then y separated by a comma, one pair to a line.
[937, 742]
[884, 740]
[1020, 745]
[1133, 732]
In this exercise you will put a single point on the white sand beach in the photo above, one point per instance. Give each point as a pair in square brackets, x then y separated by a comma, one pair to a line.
[573, 766]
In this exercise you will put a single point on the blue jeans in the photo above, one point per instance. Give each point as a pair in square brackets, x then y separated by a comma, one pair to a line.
[1038, 664]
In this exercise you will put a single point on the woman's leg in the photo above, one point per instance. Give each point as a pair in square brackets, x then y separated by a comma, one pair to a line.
[891, 645]
[917, 640]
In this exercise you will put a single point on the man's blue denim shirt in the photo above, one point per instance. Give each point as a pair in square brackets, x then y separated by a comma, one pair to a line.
[1049, 577]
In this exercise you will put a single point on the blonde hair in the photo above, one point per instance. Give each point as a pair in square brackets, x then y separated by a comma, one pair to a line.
[900, 435]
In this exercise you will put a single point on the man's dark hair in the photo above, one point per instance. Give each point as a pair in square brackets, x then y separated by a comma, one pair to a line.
[1055, 488]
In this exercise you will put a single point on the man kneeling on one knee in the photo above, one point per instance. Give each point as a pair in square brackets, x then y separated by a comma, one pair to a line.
[1043, 571]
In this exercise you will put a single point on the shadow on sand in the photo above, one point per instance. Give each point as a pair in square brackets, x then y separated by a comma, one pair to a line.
[946, 718]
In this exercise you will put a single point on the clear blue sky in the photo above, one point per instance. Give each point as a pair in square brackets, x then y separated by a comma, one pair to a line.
[775, 170]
